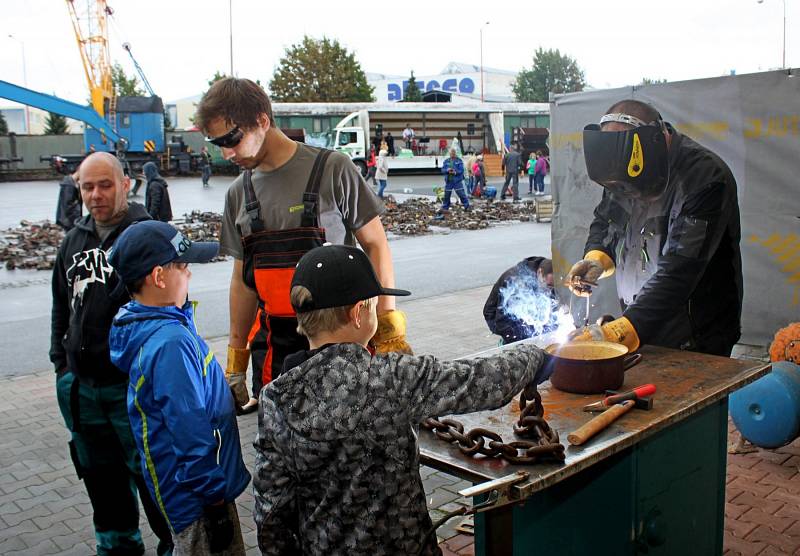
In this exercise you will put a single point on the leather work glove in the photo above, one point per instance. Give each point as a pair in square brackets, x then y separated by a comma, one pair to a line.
[236, 374]
[594, 266]
[219, 527]
[391, 334]
[620, 331]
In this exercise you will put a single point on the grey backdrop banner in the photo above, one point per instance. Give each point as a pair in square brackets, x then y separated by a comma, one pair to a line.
[753, 123]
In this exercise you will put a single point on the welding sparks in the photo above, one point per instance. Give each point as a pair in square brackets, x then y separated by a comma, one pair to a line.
[533, 307]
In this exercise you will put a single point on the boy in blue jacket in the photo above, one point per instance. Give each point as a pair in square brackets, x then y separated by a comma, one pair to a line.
[180, 407]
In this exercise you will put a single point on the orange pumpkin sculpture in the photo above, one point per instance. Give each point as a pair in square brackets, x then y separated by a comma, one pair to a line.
[786, 344]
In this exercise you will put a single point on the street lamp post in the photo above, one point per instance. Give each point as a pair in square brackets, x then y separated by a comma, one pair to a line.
[481, 34]
[230, 29]
[783, 58]
[25, 83]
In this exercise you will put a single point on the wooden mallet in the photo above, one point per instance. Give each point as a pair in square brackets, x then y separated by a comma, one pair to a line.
[599, 423]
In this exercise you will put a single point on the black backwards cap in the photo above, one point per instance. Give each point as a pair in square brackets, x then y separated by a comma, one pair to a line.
[336, 276]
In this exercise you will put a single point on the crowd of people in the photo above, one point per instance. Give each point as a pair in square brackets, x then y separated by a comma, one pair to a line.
[339, 392]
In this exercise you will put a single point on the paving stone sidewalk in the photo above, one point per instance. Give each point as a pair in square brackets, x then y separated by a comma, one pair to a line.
[44, 508]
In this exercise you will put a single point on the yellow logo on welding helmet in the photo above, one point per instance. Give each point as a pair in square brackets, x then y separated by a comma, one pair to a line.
[636, 163]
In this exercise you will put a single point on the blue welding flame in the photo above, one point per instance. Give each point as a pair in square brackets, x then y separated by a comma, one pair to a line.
[532, 306]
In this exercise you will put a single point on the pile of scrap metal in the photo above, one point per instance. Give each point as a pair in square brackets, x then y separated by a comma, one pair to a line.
[31, 245]
[201, 226]
[414, 216]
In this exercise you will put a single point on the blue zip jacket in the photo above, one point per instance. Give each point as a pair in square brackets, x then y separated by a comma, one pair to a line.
[458, 166]
[181, 411]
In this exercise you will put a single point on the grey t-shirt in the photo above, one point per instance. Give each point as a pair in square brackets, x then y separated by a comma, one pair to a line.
[346, 203]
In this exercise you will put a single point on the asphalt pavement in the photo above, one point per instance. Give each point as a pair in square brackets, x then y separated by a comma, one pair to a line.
[428, 266]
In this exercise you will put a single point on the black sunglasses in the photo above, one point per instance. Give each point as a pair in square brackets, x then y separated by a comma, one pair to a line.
[229, 140]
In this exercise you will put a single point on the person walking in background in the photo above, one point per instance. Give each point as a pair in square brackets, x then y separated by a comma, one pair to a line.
[511, 165]
[382, 171]
[371, 162]
[542, 166]
[479, 172]
[530, 167]
[453, 170]
[390, 143]
[470, 162]
[205, 165]
[156, 198]
[68, 209]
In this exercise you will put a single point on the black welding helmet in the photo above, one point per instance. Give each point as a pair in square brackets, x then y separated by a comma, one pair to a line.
[633, 163]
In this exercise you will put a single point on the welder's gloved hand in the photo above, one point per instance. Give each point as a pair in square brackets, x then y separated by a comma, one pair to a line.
[219, 527]
[391, 334]
[620, 331]
[236, 374]
[594, 266]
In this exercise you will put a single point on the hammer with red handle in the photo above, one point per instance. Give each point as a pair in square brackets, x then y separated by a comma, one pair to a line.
[639, 395]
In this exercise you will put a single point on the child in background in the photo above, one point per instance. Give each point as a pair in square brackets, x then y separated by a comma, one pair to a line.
[180, 406]
[337, 461]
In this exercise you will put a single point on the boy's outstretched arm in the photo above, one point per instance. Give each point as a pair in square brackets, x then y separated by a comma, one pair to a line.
[275, 508]
[431, 388]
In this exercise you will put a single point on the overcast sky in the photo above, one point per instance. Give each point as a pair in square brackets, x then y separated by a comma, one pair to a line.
[181, 43]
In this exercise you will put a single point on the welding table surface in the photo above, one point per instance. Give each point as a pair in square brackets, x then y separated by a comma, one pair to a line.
[686, 382]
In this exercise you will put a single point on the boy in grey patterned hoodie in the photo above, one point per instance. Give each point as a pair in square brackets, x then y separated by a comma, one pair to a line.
[337, 461]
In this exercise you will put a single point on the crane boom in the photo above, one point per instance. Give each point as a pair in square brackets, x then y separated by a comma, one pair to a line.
[139, 69]
[91, 32]
[58, 106]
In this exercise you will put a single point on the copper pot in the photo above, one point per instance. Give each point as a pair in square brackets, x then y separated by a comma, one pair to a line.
[589, 367]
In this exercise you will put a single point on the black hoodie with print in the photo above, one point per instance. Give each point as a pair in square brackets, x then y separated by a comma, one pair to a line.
[83, 307]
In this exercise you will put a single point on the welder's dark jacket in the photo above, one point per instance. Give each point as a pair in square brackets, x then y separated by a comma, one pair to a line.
[83, 308]
[678, 264]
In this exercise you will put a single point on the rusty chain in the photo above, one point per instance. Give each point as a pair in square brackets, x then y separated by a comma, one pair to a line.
[541, 442]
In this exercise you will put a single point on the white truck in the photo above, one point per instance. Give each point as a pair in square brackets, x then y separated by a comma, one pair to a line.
[436, 126]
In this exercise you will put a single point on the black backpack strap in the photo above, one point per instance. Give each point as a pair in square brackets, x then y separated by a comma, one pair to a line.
[311, 194]
[251, 205]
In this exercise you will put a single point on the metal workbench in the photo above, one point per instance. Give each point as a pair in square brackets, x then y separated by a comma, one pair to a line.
[653, 482]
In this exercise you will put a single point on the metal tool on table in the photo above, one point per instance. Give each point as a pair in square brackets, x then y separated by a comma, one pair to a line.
[599, 423]
[640, 396]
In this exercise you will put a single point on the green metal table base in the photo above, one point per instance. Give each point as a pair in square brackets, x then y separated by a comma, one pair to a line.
[661, 497]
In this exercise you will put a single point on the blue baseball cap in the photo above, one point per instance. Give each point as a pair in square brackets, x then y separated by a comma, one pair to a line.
[151, 243]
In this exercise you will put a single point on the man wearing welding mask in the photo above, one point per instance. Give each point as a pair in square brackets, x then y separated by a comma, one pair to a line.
[668, 228]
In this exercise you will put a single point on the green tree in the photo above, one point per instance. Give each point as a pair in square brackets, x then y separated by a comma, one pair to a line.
[217, 76]
[125, 86]
[168, 122]
[552, 72]
[56, 124]
[3, 125]
[412, 92]
[319, 71]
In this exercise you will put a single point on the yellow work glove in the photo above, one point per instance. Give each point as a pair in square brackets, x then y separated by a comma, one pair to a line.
[620, 331]
[391, 334]
[594, 266]
[236, 374]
